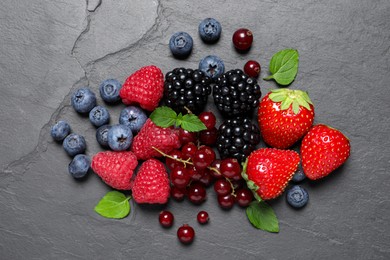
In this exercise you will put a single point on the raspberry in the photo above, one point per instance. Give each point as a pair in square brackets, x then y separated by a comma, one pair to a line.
[115, 168]
[151, 135]
[151, 185]
[144, 87]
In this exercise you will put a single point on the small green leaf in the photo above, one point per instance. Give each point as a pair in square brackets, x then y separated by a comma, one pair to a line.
[284, 66]
[192, 123]
[278, 97]
[113, 205]
[262, 216]
[295, 106]
[163, 116]
[286, 103]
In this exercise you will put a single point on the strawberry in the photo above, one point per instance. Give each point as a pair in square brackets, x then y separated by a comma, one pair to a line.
[284, 117]
[267, 171]
[115, 168]
[151, 135]
[323, 150]
[151, 185]
[144, 87]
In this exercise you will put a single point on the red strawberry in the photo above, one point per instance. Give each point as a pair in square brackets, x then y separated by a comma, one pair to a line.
[323, 150]
[151, 135]
[151, 185]
[268, 171]
[115, 168]
[284, 117]
[144, 87]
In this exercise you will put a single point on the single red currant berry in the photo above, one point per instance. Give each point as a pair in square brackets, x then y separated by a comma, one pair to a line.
[222, 187]
[188, 150]
[196, 193]
[166, 218]
[203, 217]
[207, 178]
[171, 163]
[252, 68]
[186, 136]
[226, 201]
[179, 177]
[209, 136]
[186, 234]
[208, 119]
[244, 197]
[216, 172]
[178, 194]
[203, 157]
[230, 168]
[242, 39]
[194, 173]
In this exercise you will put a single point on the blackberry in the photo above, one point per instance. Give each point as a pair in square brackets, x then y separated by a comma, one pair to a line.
[237, 138]
[186, 88]
[236, 93]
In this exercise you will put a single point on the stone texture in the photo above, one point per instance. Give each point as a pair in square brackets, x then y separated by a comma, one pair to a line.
[50, 48]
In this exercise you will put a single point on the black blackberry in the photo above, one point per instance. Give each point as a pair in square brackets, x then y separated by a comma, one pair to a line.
[235, 93]
[237, 138]
[186, 88]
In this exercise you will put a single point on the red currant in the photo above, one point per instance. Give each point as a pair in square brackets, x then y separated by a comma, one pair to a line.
[186, 136]
[217, 166]
[171, 163]
[208, 119]
[244, 197]
[196, 193]
[226, 201]
[207, 178]
[252, 68]
[230, 168]
[222, 187]
[186, 234]
[203, 217]
[179, 177]
[209, 136]
[166, 218]
[195, 173]
[203, 157]
[242, 39]
[178, 194]
[188, 150]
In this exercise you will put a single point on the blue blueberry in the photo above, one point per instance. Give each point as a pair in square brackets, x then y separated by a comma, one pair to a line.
[83, 100]
[299, 175]
[109, 90]
[210, 30]
[79, 166]
[101, 135]
[297, 196]
[99, 116]
[181, 44]
[60, 130]
[212, 66]
[119, 137]
[74, 144]
[133, 117]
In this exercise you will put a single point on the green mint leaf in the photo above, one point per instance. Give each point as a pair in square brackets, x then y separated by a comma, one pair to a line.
[262, 216]
[113, 205]
[192, 123]
[179, 119]
[284, 66]
[163, 116]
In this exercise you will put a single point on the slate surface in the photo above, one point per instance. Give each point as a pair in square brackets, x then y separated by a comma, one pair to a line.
[50, 48]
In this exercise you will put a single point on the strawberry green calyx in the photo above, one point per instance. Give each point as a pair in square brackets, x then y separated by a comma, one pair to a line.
[251, 185]
[288, 97]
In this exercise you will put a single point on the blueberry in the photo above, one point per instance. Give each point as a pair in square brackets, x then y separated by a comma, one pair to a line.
[299, 175]
[181, 44]
[119, 137]
[74, 144]
[210, 30]
[297, 196]
[79, 166]
[101, 135]
[212, 66]
[60, 130]
[133, 117]
[109, 90]
[99, 116]
[83, 100]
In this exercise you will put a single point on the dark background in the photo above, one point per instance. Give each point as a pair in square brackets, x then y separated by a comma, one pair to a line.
[50, 48]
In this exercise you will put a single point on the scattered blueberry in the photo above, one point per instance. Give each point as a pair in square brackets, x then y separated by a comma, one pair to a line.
[212, 66]
[60, 130]
[74, 144]
[101, 135]
[99, 116]
[79, 166]
[109, 90]
[210, 30]
[299, 175]
[133, 117]
[297, 196]
[119, 137]
[181, 44]
[83, 100]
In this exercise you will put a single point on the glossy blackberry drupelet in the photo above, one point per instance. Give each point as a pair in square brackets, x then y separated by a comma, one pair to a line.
[236, 94]
[237, 138]
[186, 88]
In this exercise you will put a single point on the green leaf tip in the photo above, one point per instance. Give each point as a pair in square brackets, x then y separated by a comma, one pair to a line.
[288, 97]
[113, 205]
[284, 66]
[262, 216]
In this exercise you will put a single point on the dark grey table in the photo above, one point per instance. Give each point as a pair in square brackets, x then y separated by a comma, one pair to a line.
[50, 48]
